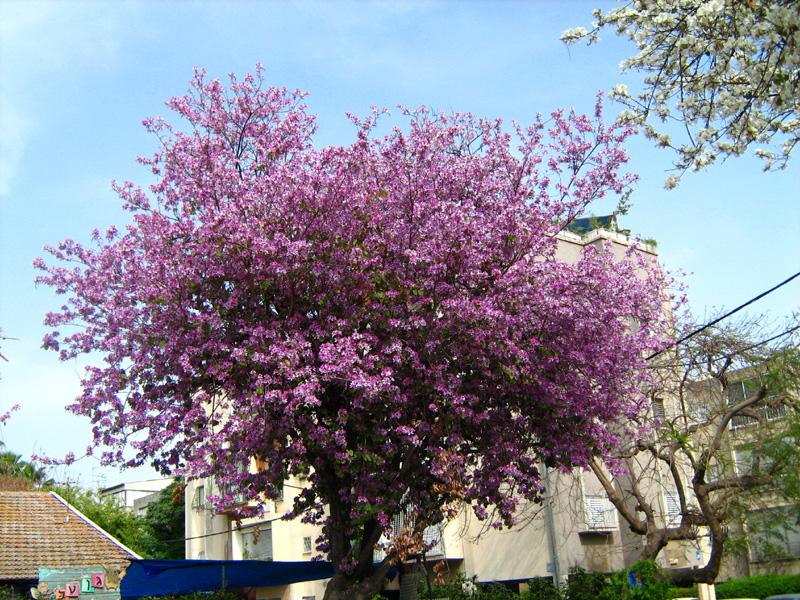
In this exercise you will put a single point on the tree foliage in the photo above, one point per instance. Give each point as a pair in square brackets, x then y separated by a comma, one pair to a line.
[164, 523]
[12, 465]
[108, 514]
[648, 583]
[727, 70]
[386, 318]
[153, 535]
[543, 588]
[724, 446]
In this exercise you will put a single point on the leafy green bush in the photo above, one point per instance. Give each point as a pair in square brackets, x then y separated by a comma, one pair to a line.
[541, 589]
[494, 591]
[108, 514]
[583, 585]
[683, 592]
[462, 588]
[8, 592]
[760, 586]
[650, 583]
[164, 527]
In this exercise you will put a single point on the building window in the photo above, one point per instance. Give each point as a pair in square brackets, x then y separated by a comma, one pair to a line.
[307, 544]
[775, 535]
[740, 391]
[672, 507]
[658, 408]
[257, 542]
[743, 460]
[432, 535]
[199, 499]
[599, 513]
[714, 472]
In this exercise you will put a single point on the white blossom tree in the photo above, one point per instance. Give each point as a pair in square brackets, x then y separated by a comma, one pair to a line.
[726, 70]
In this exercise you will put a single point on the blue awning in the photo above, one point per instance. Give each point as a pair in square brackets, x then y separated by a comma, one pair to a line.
[162, 577]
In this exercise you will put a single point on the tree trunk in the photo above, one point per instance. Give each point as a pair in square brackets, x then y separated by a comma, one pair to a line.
[345, 586]
[653, 545]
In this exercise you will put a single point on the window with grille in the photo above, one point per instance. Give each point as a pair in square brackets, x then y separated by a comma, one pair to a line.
[672, 507]
[199, 498]
[714, 472]
[740, 391]
[432, 536]
[232, 496]
[599, 513]
[307, 544]
[658, 408]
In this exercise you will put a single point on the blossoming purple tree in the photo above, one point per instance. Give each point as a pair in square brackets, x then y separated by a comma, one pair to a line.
[387, 317]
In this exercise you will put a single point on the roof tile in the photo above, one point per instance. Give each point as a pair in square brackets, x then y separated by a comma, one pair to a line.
[39, 529]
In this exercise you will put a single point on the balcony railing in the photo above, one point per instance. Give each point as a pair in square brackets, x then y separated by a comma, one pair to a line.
[771, 413]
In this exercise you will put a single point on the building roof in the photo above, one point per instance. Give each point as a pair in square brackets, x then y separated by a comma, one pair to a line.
[39, 529]
[145, 485]
[583, 225]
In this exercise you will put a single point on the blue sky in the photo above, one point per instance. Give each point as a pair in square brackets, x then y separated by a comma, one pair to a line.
[77, 78]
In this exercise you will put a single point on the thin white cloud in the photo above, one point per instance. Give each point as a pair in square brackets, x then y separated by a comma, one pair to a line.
[12, 143]
[47, 46]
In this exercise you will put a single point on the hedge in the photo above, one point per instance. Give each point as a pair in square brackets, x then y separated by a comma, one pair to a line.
[760, 586]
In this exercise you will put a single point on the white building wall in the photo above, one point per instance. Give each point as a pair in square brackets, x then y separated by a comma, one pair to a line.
[136, 495]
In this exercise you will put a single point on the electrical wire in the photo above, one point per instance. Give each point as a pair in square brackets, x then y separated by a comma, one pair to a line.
[725, 316]
[774, 337]
[198, 537]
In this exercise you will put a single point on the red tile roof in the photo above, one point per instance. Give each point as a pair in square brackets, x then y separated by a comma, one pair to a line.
[39, 529]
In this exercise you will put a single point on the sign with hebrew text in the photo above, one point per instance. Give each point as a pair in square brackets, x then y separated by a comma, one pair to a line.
[88, 583]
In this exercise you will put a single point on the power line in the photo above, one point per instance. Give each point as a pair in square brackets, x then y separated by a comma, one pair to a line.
[725, 316]
[225, 532]
[774, 337]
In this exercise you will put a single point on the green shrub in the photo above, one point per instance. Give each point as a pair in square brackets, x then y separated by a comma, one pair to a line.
[583, 585]
[8, 593]
[541, 589]
[461, 588]
[760, 586]
[650, 583]
[494, 591]
[683, 592]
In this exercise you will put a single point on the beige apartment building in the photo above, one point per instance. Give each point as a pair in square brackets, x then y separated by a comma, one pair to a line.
[578, 526]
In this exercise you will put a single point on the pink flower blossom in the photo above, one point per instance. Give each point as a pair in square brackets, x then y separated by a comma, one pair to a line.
[387, 318]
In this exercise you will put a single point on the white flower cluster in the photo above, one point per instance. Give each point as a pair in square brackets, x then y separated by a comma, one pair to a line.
[728, 69]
